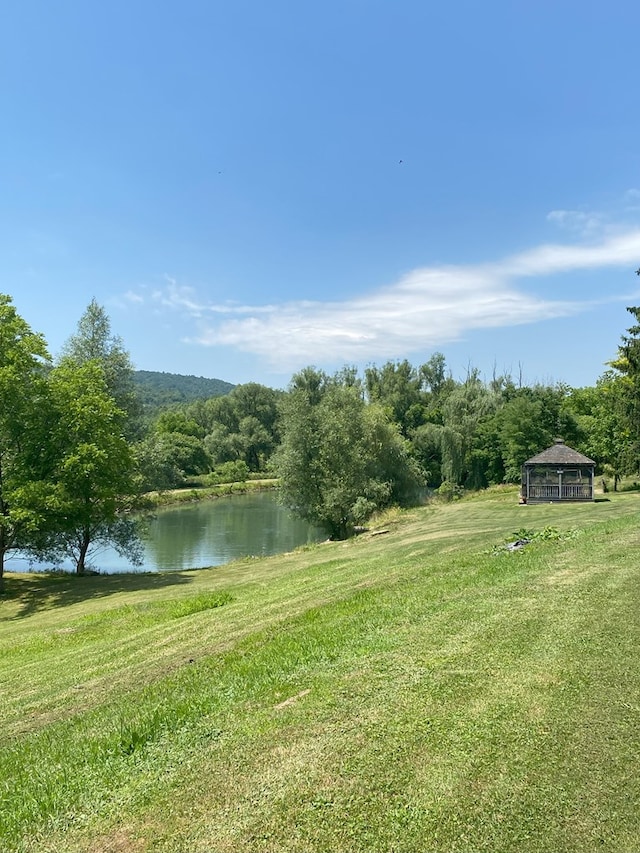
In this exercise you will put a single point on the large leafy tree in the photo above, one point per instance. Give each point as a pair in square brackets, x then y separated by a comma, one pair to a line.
[530, 421]
[242, 426]
[464, 409]
[173, 451]
[93, 472]
[427, 447]
[94, 341]
[600, 412]
[340, 459]
[628, 364]
[23, 452]
[398, 387]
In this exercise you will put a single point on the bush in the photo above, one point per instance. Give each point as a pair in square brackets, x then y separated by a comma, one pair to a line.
[230, 472]
[449, 492]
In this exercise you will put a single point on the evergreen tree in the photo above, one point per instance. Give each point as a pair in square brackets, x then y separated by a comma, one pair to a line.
[93, 341]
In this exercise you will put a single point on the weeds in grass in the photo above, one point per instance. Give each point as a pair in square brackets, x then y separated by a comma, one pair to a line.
[547, 534]
[388, 517]
[525, 536]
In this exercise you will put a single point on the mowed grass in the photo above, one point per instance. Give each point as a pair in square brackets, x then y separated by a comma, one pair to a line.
[417, 690]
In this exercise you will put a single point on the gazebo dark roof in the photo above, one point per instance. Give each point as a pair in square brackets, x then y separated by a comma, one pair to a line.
[559, 454]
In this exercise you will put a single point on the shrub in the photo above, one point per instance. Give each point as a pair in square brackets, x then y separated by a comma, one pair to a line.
[449, 492]
[230, 472]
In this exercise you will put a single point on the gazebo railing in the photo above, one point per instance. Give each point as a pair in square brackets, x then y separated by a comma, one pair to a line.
[577, 492]
[547, 492]
[551, 492]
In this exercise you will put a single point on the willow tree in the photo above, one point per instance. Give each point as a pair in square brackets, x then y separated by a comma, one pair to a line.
[241, 425]
[340, 459]
[468, 404]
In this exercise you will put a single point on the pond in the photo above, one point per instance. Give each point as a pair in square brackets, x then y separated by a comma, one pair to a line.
[207, 533]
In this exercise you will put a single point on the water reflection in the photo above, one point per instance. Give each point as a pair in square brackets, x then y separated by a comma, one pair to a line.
[210, 533]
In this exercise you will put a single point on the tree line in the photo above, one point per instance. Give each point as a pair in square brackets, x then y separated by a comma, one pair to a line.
[78, 449]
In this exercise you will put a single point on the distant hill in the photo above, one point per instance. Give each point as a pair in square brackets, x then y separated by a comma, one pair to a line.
[157, 390]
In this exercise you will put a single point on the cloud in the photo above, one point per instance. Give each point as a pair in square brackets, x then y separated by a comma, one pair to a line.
[176, 296]
[581, 222]
[617, 250]
[425, 309]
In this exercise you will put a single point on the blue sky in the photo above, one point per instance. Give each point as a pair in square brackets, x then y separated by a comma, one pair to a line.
[250, 187]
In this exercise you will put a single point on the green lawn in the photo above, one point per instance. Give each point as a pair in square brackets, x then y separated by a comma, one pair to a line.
[414, 691]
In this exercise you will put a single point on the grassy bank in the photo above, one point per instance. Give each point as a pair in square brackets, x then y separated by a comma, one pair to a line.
[200, 492]
[420, 690]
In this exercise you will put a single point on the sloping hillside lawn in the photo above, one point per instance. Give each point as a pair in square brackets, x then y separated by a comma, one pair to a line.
[417, 690]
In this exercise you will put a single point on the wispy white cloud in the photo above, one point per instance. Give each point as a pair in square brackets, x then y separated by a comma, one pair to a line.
[581, 222]
[426, 308]
[617, 250]
[177, 296]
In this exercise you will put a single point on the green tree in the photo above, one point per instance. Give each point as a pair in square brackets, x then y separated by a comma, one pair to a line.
[522, 432]
[437, 383]
[427, 447]
[433, 374]
[222, 445]
[600, 412]
[93, 475]
[340, 459]
[176, 420]
[398, 387]
[168, 459]
[93, 341]
[23, 451]
[242, 426]
[173, 451]
[156, 460]
[627, 363]
[463, 412]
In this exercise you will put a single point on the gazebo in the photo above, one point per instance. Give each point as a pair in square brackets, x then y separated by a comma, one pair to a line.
[559, 473]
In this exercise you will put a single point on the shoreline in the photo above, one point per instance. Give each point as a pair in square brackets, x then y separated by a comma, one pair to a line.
[192, 494]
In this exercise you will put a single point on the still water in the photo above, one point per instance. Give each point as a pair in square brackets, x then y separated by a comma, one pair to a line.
[208, 533]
